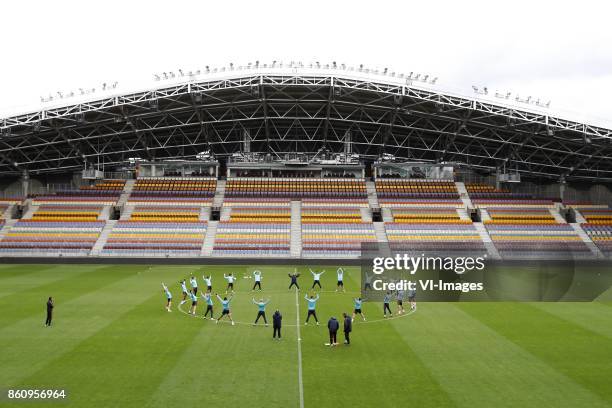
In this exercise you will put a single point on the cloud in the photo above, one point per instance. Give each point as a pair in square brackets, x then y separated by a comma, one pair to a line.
[554, 50]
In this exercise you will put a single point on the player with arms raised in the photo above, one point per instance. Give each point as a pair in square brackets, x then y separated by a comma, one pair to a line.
[168, 297]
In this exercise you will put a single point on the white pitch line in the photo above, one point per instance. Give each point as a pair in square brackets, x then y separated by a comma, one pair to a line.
[299, 348]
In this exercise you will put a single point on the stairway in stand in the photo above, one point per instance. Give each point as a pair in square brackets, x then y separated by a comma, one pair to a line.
[209, 239]
[587, 240]
[127, 190]
[296, 229]
[99, 245]
[486, 239]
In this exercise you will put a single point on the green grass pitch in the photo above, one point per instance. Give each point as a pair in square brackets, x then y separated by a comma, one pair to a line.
[113, 345]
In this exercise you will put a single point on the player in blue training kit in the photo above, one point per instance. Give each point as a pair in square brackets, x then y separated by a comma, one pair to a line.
[185, 291]
[225, 303]
[316, 278]
[208, 281]
[400, 301]
[230, 282]
[257, 276]
[386, 302]
[312, 303]
[194, 303]
[194, 285]
[412, 299]
[368, 282]
[168, 297]
[262, 310]
[209, 305]
[357, 310]
[340, 273]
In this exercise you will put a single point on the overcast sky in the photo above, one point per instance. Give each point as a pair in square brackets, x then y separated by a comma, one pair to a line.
[559, 51]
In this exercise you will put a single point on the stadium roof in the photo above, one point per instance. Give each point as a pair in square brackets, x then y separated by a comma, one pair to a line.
[302, 109]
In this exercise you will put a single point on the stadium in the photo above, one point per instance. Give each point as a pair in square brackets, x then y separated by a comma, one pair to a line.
[292, 162]
[349, 230]
[298, 168]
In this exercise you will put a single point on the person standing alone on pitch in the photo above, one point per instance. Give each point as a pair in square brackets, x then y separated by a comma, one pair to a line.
[50, 306]
[333, 327]
[277, 320]
[348, 328]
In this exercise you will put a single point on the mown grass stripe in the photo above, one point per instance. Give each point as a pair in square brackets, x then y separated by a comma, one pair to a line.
[12, 270]
[28, 298]
[225, 365]
[477, 366]
[108, 295]
[593, 316]
[377, 369]
[580, 355]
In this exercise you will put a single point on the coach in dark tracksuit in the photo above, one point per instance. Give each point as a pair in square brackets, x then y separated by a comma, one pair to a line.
[277, 319]
[49, 311]
[333, 327]
[348, 328]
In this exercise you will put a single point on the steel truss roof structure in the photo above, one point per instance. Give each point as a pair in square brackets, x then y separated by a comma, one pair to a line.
[301, 113]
